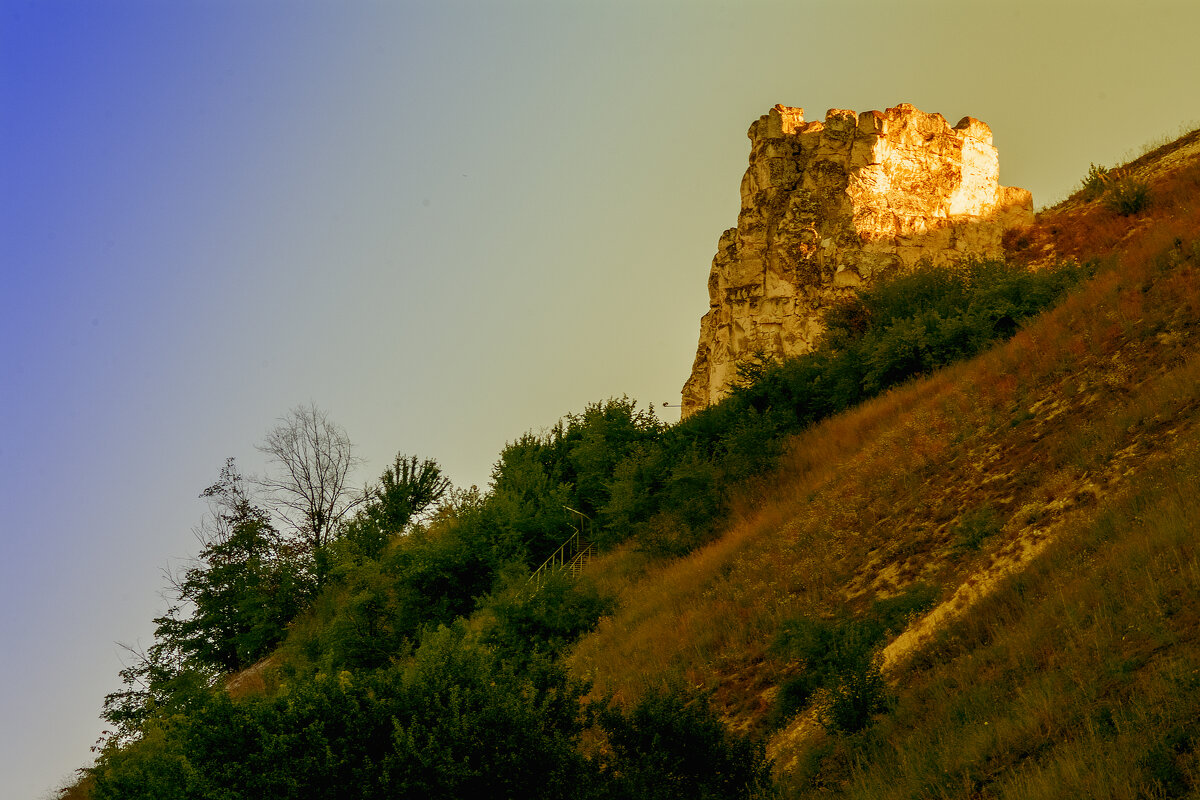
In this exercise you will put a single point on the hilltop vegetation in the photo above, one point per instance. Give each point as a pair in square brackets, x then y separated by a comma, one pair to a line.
[1045, 492]
[912, 563]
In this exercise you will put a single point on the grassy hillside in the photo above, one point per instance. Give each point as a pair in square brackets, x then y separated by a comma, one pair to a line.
[1044, 498]
[906, 565]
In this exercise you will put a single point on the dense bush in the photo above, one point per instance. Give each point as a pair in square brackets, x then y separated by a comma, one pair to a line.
[838, 660]
[671, 746]
[1127, 195]
[538, 479]
[1121, 192]
[974, 527]
[1094, 183]
[429, 577]
[530, 619]
[452, 721]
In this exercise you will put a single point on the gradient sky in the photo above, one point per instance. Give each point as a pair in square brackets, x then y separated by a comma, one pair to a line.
[445, 223]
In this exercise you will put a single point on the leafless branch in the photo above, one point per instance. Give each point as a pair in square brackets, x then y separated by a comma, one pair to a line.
[313, 458]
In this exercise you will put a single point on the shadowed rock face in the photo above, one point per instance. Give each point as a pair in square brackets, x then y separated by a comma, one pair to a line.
[829, 206]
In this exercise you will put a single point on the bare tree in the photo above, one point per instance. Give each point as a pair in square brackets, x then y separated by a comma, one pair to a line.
[313, 459]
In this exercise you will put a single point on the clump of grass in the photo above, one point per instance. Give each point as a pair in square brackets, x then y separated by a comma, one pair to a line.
[1094, 183]
[1121, 192]
[974, 528]
[1127, 195]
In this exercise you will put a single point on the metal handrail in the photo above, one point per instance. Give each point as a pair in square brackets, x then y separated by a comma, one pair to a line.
[580, 552]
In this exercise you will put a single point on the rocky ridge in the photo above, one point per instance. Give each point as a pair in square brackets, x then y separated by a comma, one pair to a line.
[828, 206]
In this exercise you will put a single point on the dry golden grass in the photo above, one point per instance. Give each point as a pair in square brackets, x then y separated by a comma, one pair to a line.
[1074, 410]
[1072, 679]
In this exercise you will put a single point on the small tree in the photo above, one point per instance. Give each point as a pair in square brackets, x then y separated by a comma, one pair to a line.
[313, 458]
[247, 584]
[407, 491]
[228, 609]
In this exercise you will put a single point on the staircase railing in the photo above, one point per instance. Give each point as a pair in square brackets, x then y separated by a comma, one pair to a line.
[572, 556]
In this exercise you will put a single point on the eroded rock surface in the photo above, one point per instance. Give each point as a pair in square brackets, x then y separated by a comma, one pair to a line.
[828, 206]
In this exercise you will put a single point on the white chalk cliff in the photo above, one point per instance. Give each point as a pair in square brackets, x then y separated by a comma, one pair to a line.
[828, 206]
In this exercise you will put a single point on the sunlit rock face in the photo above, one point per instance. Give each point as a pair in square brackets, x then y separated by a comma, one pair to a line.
[829, 206]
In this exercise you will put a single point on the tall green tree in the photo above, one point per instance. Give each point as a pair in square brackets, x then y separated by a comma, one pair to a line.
[233, 605]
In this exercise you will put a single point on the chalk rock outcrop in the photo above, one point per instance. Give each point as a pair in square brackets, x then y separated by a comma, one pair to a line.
[829, 206]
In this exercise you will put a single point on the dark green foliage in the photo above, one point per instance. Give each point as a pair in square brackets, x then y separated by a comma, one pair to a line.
[857, 696]
[232, 608]
[430, 577]
[453, 722]
[153, 767]
[634, 492]
[242, 597]
[527, 508]
[975, 527]
[573, 466]
[159, 682]
[1122, 193]
[1162, 763]
[671, 746]
[901, 328]
[596, 441]
[839, 659]
[831, 653]
[477, 728]
[249, 583]
[405, 491]
[532, 619]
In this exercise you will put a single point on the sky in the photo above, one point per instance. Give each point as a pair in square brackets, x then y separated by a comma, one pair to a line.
[443, 223]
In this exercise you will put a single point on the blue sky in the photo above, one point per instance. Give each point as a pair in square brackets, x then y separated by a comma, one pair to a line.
[444, 223]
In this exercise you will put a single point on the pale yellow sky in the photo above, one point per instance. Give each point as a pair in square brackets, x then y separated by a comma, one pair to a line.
[445, 223]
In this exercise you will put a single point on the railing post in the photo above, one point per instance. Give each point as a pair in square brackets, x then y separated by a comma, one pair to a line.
[581, 552]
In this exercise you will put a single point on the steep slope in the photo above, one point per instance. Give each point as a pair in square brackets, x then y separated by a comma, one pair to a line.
[979, 584]
[1046, 491]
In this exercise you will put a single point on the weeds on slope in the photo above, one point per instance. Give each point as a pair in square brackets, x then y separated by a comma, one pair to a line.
[1078, 678]
[870, 501]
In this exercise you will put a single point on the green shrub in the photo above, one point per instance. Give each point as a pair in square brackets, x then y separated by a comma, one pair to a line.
[974, 527]
[849, 705]
[543, 618]
[1127, 195]
[451, 722]
[1162, 764]
[839, 660]
[1121, 192]
[671, 745]
[1094, 183]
